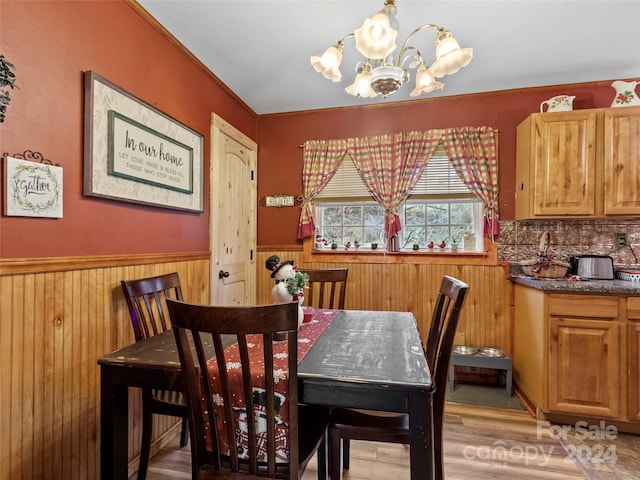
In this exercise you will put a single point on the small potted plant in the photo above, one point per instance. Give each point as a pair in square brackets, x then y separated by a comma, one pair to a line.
[454, 242]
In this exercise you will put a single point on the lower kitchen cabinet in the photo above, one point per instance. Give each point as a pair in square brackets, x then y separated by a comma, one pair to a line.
[584, 359]
[633, 335]
[578, 355]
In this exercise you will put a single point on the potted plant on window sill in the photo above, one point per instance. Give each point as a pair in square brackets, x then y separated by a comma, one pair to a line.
[454, 243]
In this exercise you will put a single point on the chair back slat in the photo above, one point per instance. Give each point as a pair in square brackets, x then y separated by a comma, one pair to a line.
[146, 299]
[327, 288]
[190, 323]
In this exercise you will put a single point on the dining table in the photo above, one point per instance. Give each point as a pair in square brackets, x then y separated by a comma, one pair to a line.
[347, 358]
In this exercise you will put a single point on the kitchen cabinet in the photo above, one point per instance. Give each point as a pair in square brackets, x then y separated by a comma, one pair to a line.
[577, 355]
[584, 355]
[621, 158]
[530, 346]
[633, 380]
[579, 164]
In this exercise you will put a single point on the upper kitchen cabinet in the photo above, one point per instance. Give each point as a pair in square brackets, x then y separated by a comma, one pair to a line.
[622, 161]
[579, 164]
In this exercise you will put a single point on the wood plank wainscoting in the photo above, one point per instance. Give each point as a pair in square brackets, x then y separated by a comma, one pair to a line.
[57, 316]
[486, 318]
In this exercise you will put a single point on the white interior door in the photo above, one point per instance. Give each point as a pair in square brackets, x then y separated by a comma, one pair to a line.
[233, 215]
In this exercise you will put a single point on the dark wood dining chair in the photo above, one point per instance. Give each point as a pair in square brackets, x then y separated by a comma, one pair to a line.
[246, 372]
[327, 287]
[147, 308]
[350, 424]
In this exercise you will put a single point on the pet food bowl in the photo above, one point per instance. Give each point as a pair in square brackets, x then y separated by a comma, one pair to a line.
[491, 352]
[464, 350]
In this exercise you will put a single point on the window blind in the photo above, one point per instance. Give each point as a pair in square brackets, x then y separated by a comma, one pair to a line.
[438, 179]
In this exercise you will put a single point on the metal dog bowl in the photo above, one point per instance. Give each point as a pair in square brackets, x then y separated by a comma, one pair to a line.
[491, 352]
[464, 350]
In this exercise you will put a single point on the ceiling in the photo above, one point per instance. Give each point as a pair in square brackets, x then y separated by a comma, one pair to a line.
[261, 49]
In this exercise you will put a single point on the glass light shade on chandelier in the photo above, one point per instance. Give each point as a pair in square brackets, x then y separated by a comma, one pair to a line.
[329, 63]
[449, 56]
[361, 86]
[375, 40]
[425, 82]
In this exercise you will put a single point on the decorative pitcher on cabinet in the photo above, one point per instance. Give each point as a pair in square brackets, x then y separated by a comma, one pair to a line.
[625, 94]
[560, 103]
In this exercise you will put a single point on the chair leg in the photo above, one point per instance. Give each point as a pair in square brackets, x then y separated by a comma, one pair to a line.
[184, 433]
[322, 458]
[335, 456]
[145, 447]
[438, 455]
[346, 453]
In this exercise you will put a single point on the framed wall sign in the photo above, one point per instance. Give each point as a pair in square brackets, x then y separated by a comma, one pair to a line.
[32, 189]
[135, 153]
[140, 153]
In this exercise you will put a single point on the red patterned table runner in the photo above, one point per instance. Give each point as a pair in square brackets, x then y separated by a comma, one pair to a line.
[308, 333]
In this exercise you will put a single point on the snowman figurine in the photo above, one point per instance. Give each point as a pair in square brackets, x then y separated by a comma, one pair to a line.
[289, 283]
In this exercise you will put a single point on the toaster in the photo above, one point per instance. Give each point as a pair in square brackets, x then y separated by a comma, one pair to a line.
[598, 267]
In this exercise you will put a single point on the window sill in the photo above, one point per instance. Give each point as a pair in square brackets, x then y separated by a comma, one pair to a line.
[424, 255]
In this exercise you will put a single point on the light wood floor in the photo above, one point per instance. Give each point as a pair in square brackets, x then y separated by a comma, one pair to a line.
[479, 443]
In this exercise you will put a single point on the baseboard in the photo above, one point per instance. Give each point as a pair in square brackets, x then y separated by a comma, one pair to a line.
[531, 407]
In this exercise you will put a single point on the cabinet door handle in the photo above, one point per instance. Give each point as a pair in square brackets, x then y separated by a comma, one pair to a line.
[223, 274]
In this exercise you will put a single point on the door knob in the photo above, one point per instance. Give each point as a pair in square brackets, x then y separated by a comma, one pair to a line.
[223, 274]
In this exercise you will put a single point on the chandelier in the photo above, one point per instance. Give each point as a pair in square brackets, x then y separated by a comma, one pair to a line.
[377, 73]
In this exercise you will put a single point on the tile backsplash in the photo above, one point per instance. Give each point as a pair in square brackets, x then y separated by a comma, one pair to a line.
[521, 239]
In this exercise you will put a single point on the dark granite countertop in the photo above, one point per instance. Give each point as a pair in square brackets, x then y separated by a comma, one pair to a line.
[621, 287]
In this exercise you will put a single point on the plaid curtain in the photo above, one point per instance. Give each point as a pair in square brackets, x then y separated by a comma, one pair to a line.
[390, 166]
[321, 160]
[472, 152]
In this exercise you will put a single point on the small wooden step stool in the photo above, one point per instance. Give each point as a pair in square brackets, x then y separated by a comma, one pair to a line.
[478, 360]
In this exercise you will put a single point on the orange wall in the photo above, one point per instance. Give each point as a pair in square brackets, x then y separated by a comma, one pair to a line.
[51, 44]
[280, 137]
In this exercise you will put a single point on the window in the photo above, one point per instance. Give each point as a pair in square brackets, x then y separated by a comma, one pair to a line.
[440, 208]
